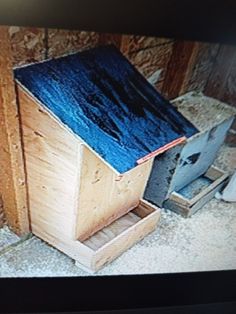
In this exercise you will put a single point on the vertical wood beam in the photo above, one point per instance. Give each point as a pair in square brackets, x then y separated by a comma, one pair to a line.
[221, 83]
[180, 68]
[12, 171]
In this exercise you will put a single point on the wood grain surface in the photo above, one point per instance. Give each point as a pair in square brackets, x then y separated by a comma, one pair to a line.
[221, 83]
[12, 172]
[51, 156]
[27, 44]
[61, 42]
[179, 68]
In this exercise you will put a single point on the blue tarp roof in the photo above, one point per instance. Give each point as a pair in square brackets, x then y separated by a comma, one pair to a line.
[102, 98]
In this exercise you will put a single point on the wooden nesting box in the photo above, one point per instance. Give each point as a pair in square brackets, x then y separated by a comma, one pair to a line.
[193, 158]
[91, 127]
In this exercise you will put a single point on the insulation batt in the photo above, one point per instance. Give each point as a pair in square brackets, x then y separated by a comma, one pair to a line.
[102, 98]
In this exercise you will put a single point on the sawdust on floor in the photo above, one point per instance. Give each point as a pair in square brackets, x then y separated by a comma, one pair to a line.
[206, 241]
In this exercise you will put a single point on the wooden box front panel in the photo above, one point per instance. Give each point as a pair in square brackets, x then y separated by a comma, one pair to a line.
[105, 196]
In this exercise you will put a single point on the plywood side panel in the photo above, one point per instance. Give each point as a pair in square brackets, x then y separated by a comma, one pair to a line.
[103, 196]
[51, 155]
[12, 174]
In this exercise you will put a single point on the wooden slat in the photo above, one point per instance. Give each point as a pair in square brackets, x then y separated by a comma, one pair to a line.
[180, 67]
[12, 174]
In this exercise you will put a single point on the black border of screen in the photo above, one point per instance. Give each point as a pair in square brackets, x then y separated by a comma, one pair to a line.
[208, 21]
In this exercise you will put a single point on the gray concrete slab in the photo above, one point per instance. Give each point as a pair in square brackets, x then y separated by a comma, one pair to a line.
[207, 241]
[7, 238]
[34, 258]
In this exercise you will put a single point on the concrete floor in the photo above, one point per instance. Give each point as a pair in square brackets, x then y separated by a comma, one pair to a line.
[206, 241]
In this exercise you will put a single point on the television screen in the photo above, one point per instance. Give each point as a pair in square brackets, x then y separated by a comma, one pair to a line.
[116, 154]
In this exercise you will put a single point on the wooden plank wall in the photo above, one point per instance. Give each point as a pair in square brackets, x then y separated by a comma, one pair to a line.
[174, 67]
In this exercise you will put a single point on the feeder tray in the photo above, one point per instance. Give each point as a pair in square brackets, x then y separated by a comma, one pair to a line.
[110, 242]
[196, 194]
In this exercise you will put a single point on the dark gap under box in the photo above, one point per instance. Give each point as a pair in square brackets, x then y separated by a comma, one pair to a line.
[92, 125]
[193, 158]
